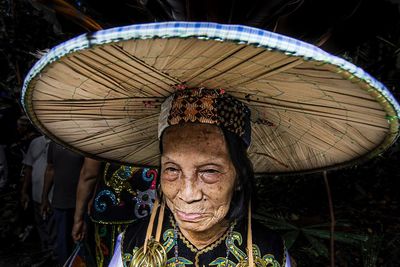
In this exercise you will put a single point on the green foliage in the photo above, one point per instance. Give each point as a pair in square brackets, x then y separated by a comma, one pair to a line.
[315, 234]
[371, 249]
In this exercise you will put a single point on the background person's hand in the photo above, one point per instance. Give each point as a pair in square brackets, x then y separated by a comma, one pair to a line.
[78, 230]
[45, 209]
[24, 200]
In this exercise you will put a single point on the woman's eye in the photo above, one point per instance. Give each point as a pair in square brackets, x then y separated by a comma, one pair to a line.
[210, 175]
[210, 171]
[171, 170]
[170, 173]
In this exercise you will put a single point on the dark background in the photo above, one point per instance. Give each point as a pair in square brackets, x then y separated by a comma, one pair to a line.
[367, 33]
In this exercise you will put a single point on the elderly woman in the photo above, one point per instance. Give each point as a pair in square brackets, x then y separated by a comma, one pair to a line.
[150, 95]
[206, 185]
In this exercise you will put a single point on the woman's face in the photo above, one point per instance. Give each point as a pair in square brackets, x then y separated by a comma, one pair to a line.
[197, 175]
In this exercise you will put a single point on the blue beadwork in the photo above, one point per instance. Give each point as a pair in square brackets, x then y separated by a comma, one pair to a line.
[101, 206]
[148, 174]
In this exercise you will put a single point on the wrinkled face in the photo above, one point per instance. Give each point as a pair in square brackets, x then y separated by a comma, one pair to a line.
[197, 175]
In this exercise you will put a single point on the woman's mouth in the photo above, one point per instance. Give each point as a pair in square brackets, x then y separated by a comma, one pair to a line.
[189, 217]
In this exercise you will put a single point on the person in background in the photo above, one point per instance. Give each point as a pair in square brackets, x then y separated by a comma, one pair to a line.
[62, 172]
[123, 194]
[27, 133]
[15, 153]
[90, 174]
[35, 162]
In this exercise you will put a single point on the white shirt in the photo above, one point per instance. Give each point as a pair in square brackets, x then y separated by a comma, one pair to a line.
[36, 157]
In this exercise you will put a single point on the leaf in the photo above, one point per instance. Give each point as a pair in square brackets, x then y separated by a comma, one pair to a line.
[318, 246]
[339, 236]
[290, 238]
[371, 250]
[327, 225]
[63, 8]
[275, 223]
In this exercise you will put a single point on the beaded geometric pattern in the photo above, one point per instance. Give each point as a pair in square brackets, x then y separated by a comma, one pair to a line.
[211, 106]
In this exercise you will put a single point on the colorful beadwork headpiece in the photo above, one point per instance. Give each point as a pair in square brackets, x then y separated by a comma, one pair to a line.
[211, 106]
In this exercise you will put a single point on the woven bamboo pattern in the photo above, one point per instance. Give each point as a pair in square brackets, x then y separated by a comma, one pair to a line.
[307, 115]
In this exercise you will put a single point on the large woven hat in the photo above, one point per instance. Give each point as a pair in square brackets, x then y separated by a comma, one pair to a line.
[100, 94]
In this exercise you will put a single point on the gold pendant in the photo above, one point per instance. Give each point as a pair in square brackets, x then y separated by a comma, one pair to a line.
[155, 256]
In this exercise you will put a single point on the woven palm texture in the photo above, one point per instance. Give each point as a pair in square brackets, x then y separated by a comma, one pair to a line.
[100, 94]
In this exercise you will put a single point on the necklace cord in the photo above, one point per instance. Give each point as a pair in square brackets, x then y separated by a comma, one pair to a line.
[151, 223]
[160, 221]
[250, 239]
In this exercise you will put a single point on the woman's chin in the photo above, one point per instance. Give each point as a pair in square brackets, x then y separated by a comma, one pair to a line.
[195, 225]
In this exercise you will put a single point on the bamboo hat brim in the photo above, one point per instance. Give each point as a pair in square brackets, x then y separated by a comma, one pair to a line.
[100, 94]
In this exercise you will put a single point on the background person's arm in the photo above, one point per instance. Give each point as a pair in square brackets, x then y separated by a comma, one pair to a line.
[27, 178]
[48, 182]
[90, 172]
[26, 186]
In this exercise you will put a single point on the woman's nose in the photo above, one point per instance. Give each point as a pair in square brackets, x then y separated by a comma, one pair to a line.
[190, 190]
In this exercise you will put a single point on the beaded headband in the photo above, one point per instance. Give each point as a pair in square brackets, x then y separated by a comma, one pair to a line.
[211, 106]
